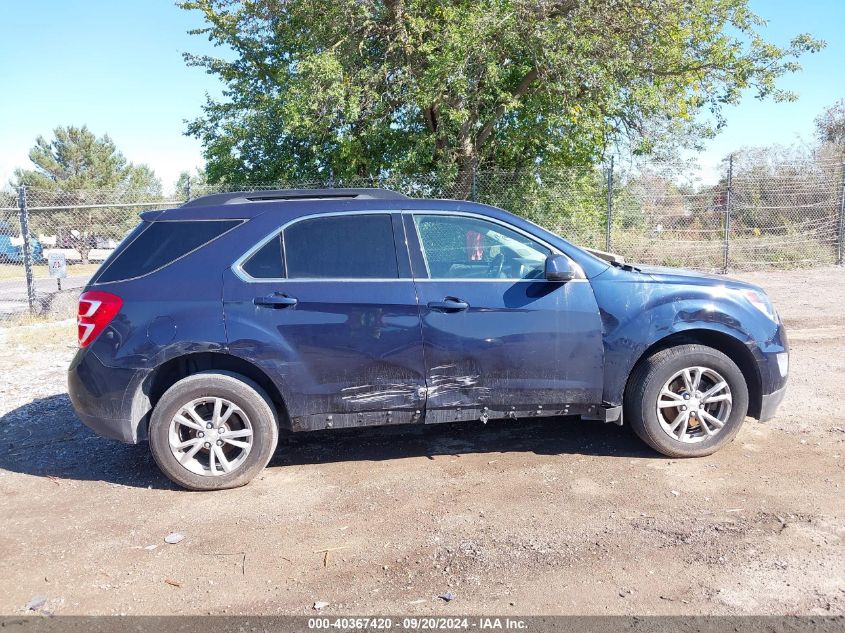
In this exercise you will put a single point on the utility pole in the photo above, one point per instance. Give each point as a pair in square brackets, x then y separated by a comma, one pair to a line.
[23, 216]
[608, 241]
[728, 210]
[840, 235]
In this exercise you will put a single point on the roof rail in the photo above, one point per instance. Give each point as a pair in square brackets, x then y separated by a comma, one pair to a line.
[281, 195]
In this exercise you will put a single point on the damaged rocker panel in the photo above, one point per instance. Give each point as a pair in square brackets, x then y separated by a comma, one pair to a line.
[483, 414]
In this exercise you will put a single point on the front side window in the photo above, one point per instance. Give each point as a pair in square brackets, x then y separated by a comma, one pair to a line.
[459, 247]
[341, 247]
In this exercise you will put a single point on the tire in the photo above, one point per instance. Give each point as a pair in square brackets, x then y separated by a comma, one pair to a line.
[247, 416]
[651, 411]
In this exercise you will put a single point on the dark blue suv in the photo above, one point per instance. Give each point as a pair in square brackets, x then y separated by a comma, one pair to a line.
[215, 325]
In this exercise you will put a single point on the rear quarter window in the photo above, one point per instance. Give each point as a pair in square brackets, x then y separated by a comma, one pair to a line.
[267, 263]
[161, 243]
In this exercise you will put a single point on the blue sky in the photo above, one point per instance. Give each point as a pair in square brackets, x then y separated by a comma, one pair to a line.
[117, 67]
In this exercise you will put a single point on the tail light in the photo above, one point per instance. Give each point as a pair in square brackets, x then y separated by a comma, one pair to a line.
[96, 310]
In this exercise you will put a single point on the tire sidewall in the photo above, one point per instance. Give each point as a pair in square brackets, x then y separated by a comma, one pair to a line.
[650, 429]
[248, 397]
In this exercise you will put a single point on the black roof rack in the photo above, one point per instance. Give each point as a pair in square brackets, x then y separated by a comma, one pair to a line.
[280, 195]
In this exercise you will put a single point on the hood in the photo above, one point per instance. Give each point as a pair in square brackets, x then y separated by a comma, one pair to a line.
[663, 274]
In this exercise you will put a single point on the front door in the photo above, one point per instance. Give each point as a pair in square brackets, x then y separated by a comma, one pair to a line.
[328, 310]
[500, 340]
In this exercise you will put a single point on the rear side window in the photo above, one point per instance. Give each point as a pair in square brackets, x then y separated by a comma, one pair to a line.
[267, 262]
[341, 247]
[160, 244]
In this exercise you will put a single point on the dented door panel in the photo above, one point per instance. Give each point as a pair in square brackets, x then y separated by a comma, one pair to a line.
[345, 355]
[521, 348]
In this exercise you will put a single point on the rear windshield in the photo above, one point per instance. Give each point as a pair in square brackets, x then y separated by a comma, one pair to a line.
[161, 243]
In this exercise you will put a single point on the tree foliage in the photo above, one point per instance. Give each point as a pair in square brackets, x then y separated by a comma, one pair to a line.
[367, 87]
[76, 169]
[190, 185]
[830, 126]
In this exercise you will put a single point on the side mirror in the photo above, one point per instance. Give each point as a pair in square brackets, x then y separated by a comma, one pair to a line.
[558, 268]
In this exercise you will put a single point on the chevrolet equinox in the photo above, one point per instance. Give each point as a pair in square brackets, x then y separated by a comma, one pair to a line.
[218, 324]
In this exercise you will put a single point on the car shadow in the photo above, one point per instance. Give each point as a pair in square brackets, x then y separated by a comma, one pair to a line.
[544, 436]
[44, 438]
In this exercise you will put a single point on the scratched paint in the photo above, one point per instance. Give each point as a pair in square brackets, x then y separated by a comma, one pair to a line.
[375, 394]
[442, 384]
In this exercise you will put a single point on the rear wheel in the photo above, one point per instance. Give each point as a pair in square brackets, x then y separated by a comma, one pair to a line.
[212, 431]
[686, 401]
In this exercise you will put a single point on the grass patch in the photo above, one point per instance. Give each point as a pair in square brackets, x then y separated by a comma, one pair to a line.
[32, 332]
[39, 271]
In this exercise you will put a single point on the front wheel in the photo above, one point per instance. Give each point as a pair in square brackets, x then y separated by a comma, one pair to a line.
[212, 431]
[686, 401]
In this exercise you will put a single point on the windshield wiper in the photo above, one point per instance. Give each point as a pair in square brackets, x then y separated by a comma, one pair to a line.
[625, 266]
[613, 259]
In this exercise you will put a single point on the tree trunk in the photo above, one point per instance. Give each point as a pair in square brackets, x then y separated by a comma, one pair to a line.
[462, 189]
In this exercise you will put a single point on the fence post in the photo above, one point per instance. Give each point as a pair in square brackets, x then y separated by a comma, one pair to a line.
[23, 216]
[473, 189]
[840, 234]
[728, 210]
[608, 242]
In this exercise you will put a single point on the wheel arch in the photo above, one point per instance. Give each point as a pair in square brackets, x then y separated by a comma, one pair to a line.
[151, 389]
[730, 346]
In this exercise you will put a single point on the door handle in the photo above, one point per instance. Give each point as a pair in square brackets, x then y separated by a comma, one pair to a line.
[449, 304]
[275, 300]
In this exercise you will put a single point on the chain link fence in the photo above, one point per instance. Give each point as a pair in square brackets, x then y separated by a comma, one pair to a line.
[757, 216]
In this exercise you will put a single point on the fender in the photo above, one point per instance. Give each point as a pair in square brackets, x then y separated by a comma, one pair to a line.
[648, 311]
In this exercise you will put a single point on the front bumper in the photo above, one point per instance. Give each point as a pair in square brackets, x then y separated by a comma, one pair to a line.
[773, 368]
[770, 402]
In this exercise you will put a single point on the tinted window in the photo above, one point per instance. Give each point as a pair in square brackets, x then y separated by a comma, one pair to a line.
[341, 247]
[267, 263]
[458, 247]
[161, 243]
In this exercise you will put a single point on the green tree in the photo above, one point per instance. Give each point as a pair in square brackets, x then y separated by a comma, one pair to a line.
[188, 183]
[75, 170]
[363, 88]
[830, 126]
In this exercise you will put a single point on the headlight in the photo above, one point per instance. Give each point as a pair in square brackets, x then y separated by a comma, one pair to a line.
[760, 301]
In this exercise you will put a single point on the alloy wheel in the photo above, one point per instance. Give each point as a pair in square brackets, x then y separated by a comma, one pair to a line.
[694, 404]
[211, 436]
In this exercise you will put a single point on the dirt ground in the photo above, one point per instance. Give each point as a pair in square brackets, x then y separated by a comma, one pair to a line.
[544, 517]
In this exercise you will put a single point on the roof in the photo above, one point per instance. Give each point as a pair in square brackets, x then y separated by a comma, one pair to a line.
[290, 195]
[286, 204]
[290, 203]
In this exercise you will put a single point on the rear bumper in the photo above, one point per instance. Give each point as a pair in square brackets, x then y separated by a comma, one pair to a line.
[102, 396]
[770, 403]
[113, 429]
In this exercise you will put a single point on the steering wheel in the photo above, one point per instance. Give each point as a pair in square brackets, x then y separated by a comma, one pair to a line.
[494, 268]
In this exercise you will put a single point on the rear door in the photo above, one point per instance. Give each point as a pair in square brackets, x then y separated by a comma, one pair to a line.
[499, 339]
[328, 309]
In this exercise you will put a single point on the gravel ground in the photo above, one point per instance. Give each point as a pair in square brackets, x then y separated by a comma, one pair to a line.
[543, 517]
